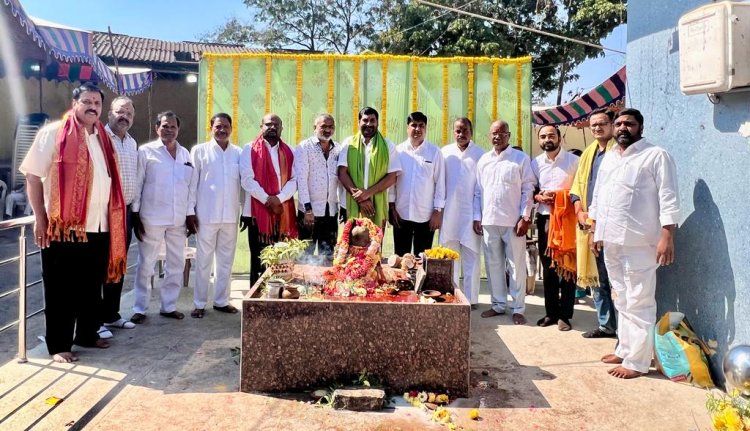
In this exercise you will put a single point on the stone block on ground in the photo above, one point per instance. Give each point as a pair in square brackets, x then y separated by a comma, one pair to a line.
[358, 400]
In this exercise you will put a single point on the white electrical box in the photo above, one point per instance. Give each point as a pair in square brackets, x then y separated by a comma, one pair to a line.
[715, 48]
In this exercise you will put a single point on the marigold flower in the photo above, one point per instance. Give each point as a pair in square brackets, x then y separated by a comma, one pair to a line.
[474, 414]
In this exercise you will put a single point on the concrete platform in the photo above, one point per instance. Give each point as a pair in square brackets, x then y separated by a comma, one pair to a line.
[169, 374]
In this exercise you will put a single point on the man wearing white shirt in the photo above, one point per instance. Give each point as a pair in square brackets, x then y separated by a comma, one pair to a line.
[368, 165]
[160, 213]
[456, 231]
[315, 167]
[215, 200]
[417, 199]
[502, 206]
[267, 175]
[121, 113]
[635, 209]
[554, 170]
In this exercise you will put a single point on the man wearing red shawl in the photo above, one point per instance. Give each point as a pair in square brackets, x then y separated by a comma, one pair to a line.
[74, 188]
[267, 177]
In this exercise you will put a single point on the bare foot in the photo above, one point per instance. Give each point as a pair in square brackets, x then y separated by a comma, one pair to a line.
[101, 344]
[518, 319]
[624, 373]
[64, 357]
[611, 359]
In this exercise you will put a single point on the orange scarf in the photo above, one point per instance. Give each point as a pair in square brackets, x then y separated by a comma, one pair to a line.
[561, 242]
[70, 180]
[271, 226]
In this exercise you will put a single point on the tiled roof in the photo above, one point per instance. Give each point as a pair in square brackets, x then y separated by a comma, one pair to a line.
[143, 50]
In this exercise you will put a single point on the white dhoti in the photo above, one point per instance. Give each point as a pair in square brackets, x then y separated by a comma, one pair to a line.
[632, 276]
[220, 240]
[469, 263]
[148, 250]
[501, 246]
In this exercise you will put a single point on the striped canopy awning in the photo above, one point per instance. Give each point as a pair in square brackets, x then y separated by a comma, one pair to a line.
[70, 46]
[610, 93]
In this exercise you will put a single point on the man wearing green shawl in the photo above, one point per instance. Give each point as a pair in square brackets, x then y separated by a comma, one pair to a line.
[368, 165]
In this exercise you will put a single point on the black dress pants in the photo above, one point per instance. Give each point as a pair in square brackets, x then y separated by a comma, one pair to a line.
[322, 235]
[73, 273]
[111, 292]
[559, 294]
[412, 234]
[256, 246]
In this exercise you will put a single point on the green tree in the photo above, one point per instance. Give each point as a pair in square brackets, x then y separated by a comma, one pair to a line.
[420, 30]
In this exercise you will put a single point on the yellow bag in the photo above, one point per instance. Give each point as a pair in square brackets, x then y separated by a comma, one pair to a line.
[680, 354]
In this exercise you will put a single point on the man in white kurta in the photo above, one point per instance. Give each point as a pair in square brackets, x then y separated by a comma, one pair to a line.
[635, 210]
[502, 207]
[417, 199]
[457, 231]
[215, 200]
[160, 210]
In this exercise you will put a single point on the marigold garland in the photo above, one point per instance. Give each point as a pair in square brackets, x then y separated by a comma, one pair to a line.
[519, 120]
[267, 107]
[331, 82]
[384, 102]
[348, 276]
[355, 96]
[470, 91]
[495, 70]
[445, 103]
[235, 98]
[298, 104]
[209, 96]
[365, 57]
[414, 83]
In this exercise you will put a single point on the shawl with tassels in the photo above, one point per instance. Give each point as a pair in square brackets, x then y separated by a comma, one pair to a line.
[588, 275]
[271, 226]
[561, 242]
[71, 175]
[379, 160]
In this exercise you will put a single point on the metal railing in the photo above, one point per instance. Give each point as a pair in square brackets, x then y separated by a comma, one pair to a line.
[22, 256]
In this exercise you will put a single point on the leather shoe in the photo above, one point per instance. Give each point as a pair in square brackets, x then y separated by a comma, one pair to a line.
[138, 318]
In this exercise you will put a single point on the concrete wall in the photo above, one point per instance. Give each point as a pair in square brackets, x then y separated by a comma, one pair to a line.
[176, 95]
[710, 280]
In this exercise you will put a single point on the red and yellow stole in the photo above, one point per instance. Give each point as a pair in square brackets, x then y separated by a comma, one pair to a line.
[71, 176]
[270, 225]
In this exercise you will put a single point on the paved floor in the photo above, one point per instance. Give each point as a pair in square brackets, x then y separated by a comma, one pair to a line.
[169, 374]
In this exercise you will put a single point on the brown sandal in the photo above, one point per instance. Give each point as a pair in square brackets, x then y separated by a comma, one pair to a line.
[229, 308]
[197, 313]
[173, 315]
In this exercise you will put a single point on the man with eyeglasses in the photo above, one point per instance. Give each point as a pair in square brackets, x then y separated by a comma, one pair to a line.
[502, 207]
[590, 269]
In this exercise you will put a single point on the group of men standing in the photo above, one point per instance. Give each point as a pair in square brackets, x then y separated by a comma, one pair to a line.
[90, 186]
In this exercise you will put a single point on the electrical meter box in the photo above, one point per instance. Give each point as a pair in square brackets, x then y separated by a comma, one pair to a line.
[715, 48]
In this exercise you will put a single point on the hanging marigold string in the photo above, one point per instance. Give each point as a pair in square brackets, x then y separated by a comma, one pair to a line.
[519, 119]
[355, 96]
[495, 70]
[445, 103]
[414, 83]
[364, 57]
[269, 61]
[470, 91]
[331, 82]
[235, 99]
[209, 96]
[384, 104]
[298, 104]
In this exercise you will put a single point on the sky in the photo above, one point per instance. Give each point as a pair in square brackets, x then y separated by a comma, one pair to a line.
[187, 20]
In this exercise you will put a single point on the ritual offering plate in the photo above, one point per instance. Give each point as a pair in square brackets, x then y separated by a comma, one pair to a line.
[431, 293]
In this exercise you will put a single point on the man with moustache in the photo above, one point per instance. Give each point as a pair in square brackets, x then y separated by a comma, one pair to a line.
[267, 175]
[502, 207]
[161, 214]
[215, 201]
[315, 166]
[121, 114]
[554, 170]
[591, 270]
[634, 214]
[368, 165]
[457, 231]
[417, 199]
[74, 188]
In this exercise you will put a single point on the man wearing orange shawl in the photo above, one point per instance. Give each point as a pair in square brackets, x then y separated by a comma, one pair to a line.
[554, 170]
[74, 188]
[267, 176]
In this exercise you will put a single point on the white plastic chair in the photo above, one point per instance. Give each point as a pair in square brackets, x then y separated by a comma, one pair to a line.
[189, 254]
